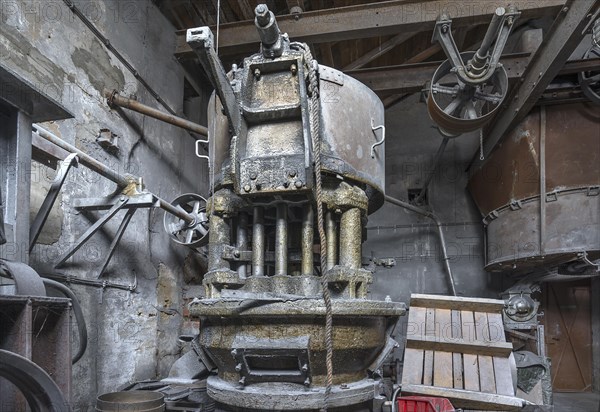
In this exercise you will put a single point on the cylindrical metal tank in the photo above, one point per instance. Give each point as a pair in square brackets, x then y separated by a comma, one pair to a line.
[554, 151]
[131, 401]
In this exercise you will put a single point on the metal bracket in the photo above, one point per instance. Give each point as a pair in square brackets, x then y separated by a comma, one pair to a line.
[93, 229]
[44, 211]
[483, 64]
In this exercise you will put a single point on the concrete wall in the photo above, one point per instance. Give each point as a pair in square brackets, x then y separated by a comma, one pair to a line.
[131, 336]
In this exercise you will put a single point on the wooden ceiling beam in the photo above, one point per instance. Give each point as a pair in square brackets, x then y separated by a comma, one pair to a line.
[379, 51]
[365, 20]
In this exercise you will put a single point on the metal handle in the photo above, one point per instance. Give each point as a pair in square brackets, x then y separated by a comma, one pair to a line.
[380, 142]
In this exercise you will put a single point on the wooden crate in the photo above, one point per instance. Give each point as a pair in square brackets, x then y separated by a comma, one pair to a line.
[456, 348]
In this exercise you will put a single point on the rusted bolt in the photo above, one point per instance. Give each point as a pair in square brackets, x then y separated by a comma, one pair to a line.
[253, 175]
[292, 173]
[304, 367]
[444, 28]
[247, 188]
[286, 184]
[242, 380]
[294, 69]
[234, 352]
[257, 73]
[236, 253]
[258, 186]
[307, 382]
[565, 9]
[238, 367]
[298, 184]
[344, 386]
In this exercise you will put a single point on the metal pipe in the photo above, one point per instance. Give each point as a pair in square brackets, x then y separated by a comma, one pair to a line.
[438, 223]
[542, 180]
[281, 240]
[308, 235]
[331, 235]
[103, 170]
[114, 99]
[258, 242]
[242, 241]
[436, 161]
[350, 239]
[86, 159]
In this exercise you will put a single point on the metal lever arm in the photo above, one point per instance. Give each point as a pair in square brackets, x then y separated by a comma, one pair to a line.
[201, 40]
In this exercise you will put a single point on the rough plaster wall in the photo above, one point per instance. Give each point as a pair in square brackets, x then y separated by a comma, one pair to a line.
[131, 336]
[411, 144]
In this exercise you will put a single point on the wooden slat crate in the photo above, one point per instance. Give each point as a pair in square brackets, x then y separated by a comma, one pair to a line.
[456, 348]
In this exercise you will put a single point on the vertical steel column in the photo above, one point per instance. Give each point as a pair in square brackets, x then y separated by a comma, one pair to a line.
[350, 239]
[242, 241]
[15, 177]
[308, 234]
[331, 234]
[258, 242]
[281, 240]
[542, 179]
[219, 237]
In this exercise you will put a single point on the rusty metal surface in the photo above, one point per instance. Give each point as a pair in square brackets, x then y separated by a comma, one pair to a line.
[349, 110]
[572, 157]
[572, 226]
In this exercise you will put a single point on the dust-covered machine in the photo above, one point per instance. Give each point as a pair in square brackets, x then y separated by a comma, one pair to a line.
[297, 151]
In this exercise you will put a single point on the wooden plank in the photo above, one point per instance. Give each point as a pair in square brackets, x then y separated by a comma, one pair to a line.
[458, 303]
[442, 362]
[487, 380]
[457, 362]
[412, 371]
[467, 399]
[470, 362]
[502, 370]
[459, 345]
[428, 356]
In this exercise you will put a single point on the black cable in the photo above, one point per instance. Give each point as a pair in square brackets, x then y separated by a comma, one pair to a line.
[81, 326]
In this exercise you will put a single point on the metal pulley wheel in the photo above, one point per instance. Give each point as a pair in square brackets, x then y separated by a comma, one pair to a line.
[457, 107]
[194, 234]
[590, 80]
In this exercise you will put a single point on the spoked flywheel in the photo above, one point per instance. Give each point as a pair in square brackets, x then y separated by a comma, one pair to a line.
[457, 107]
[194, 234]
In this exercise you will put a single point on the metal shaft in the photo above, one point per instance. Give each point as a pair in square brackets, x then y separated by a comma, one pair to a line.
[350, 239]
[331, 234]
[103, 170]
[308, 234]
[492, 32]
[115, 99]
[281, 240]
[258, 242]
[242, 241]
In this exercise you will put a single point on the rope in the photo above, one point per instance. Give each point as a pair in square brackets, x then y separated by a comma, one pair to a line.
[313, 92]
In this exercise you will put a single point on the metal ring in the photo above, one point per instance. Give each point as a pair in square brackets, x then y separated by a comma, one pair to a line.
[38, 388]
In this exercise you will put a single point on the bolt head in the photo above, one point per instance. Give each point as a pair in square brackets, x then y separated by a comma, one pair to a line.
[298, 184]
[253, 175]
[257, 73]
[247, 188]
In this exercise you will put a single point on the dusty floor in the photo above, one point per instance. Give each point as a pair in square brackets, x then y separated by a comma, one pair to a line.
[576, 402]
